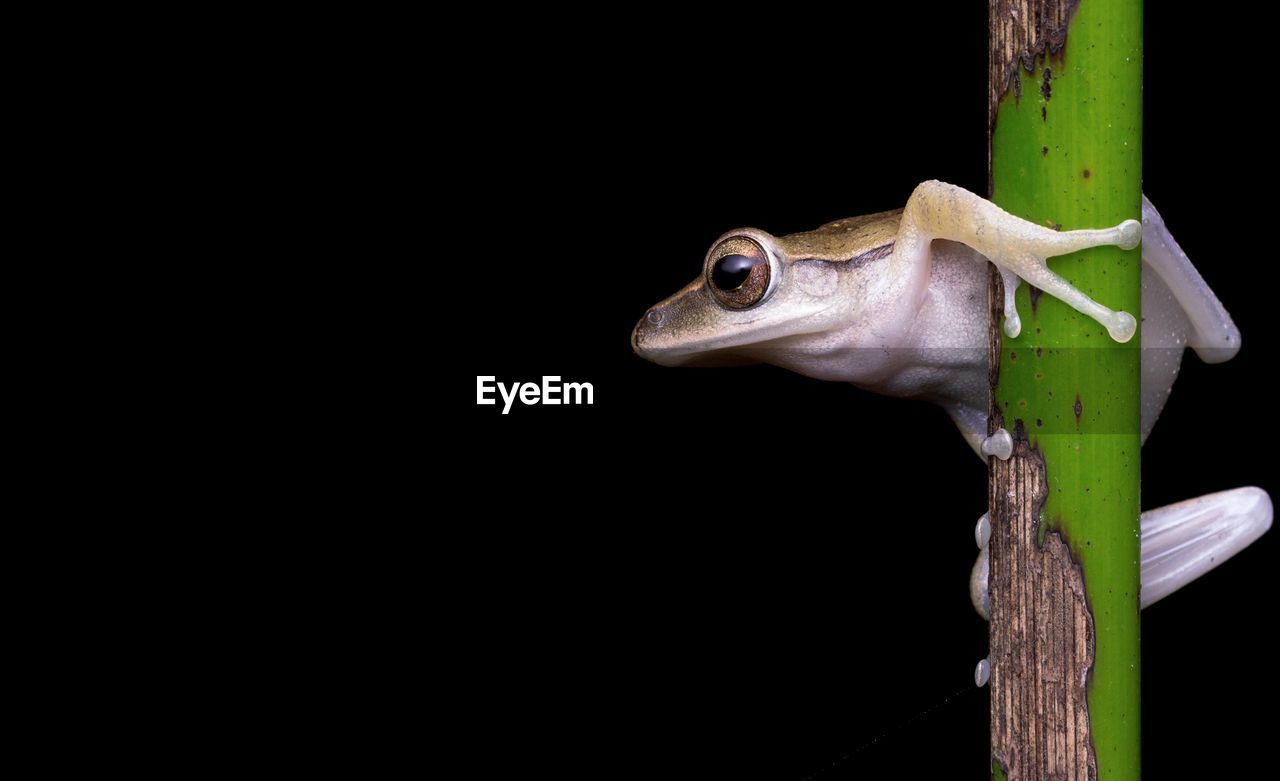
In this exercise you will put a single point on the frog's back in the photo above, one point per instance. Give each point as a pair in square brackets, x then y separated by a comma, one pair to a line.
[844, 239]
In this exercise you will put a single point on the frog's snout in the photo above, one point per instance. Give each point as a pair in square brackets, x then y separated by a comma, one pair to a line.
[652, 320]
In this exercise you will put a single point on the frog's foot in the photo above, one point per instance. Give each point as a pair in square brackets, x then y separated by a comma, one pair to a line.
[981, 569]
[1019, 249]
[999, 444]
[1180, 542]
[1030, 262]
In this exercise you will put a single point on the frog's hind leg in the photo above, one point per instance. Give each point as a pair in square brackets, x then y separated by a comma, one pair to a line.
[1180, 542]
[1020, 249]
[1212, 334]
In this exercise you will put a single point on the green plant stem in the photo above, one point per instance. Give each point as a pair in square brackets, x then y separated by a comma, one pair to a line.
[1068, 154]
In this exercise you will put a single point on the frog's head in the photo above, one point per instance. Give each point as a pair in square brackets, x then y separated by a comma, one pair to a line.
[800, 301]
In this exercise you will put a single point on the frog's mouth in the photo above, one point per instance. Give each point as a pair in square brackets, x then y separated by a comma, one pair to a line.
[650, 343]
[687, 356]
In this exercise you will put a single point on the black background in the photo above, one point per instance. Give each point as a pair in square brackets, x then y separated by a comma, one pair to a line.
[744, 573]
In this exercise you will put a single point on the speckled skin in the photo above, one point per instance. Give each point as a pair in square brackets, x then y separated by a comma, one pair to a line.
[896, 302]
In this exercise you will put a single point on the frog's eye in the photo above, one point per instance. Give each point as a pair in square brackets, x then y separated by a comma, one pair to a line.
[738, 272]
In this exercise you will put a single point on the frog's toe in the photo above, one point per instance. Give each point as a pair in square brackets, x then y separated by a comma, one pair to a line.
[1130, 234]
[982, 673]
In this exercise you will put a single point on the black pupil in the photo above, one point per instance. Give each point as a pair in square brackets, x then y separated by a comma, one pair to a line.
[732, 270]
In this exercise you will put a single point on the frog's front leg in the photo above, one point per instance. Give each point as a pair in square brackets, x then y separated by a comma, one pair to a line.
[1018, 248]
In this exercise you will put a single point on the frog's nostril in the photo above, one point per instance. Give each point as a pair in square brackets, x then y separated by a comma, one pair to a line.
[646, 330]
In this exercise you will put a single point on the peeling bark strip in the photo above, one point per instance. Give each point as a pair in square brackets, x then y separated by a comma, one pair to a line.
[1042, 636]
[1021, 32]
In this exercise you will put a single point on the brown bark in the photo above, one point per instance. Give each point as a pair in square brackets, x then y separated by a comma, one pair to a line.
[1042, 640]
[1021, 32]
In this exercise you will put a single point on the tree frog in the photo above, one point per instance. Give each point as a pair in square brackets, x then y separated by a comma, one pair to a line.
[896, 303]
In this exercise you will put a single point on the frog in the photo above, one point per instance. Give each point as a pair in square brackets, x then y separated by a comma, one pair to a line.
[896, 303]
